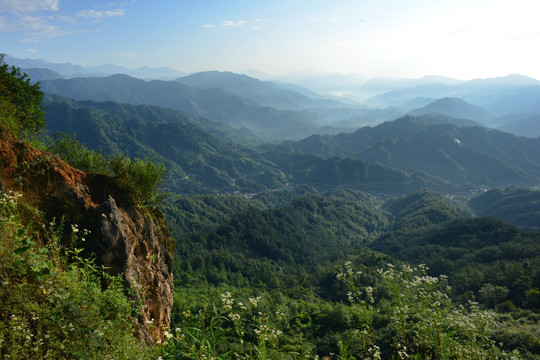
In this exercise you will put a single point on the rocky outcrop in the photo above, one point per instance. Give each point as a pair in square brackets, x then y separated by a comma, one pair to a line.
[133, 241]
[138, 245]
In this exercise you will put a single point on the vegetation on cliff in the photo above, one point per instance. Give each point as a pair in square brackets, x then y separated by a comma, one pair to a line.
[54, 303]
[58, 301]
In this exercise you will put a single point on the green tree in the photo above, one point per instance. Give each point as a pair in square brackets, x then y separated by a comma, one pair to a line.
[20, 101]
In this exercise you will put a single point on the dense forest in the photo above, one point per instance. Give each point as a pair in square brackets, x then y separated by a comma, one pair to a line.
[409, 239]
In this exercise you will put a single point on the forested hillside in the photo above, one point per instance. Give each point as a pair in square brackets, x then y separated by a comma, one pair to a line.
[434, 145]
[520, 207]
[203, 157]
[292, 254]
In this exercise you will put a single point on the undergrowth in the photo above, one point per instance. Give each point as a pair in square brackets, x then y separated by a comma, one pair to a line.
[55, 304]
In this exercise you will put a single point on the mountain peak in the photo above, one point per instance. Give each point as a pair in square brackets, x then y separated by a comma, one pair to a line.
[508, 80]
[456, 108]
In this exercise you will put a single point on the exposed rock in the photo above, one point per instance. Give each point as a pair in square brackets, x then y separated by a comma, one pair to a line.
[129, 240]
[132, 243]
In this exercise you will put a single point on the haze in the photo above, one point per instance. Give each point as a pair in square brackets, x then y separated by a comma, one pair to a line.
[463, 39]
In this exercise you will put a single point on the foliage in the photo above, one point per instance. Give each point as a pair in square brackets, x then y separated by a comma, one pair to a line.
[229, 329]
[78, 155]
[482, 257]
[140, 179]
[53, 303]
[232, 243]
[20, 101]
[259, 246]
[421, 209]
[422, 322]
[392, 313]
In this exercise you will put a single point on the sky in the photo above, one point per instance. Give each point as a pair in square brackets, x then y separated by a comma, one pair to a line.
[463, 39]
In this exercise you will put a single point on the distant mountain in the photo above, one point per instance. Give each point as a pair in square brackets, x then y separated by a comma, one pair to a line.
[222, 105]
[464, 155]
[384, 84]
[147, 113]
[523, 99]
[457, 154]
[500, 96]
[523, 124]
[65, 69]
[68, 70]
[349, 144]
[198, 161]
[42, 74]
[520, 207]
[261, 92]
[415, 103]
[455, 108]
[503, 81]
[323, 83]
[145, 72]
[212, 103]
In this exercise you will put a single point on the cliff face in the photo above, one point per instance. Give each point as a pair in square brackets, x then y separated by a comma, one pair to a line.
[129, 240]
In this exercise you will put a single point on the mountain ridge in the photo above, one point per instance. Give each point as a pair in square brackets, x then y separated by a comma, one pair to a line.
[456, 108]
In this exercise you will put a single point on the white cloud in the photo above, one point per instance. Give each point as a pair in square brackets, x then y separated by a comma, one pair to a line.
[252, 24]
[229, 23]
[100, 14]
[23, 6]
[28, 24]
[33, 51]
[208, 26]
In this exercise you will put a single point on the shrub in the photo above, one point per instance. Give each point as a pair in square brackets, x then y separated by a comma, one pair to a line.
[140, 179]
[78, 155]
[421, 322]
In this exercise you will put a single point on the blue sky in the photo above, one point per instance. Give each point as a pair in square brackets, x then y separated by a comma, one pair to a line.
[407, 38]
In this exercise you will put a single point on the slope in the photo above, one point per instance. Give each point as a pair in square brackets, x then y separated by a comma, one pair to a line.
[265, 93]
[520, 207]
[200, 162]
[214, 104]
[521, 124]
[432, 144]
[455, 108]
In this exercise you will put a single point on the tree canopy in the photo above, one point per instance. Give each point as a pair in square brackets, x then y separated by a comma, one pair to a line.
[20, 101]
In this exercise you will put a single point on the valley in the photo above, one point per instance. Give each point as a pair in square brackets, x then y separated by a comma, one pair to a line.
[305, 225]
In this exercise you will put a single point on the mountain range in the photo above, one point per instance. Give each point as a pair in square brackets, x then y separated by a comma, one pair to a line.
[282, 110]
[444, 143]
[224, 105]
[500, 96]
[68, 70]
[202, 157]
[401, 155]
